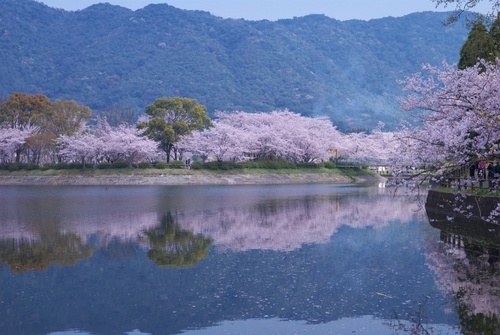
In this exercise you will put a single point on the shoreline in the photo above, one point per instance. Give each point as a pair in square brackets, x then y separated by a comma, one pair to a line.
[190, 179]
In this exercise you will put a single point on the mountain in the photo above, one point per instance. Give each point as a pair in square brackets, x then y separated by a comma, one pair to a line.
[110, 58]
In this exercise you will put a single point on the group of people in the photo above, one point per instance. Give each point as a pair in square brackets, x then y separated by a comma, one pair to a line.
[485, 170]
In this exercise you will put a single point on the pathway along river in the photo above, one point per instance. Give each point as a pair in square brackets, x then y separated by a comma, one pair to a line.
[235, 259]
[188, 179]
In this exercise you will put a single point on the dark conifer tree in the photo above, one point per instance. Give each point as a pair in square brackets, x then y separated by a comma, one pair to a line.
[479, 45]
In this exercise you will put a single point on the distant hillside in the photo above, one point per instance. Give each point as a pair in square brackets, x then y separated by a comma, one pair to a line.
[107, 56]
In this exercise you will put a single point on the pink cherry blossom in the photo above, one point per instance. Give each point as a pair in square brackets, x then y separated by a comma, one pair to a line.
[107, 143]
[285, 135]
[460, 115]
[12, 141]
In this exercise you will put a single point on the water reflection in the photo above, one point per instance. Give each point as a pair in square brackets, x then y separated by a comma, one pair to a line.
[38, 254]
[169, 260]
[467, 266]
[173, 246]
[236, 218]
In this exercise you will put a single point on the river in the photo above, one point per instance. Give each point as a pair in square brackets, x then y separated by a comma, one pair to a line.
[247, 259]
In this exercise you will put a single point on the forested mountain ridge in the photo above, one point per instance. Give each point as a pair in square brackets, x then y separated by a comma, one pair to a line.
[107, 56]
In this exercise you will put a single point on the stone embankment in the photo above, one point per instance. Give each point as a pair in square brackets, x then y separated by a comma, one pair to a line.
[190, 179]
[464, 206]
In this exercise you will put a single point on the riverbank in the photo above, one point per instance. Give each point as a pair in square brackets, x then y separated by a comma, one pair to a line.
[189, 177]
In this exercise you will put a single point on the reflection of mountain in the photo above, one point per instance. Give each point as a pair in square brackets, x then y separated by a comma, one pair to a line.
[25, 255]
[172, 246]
[467, 266]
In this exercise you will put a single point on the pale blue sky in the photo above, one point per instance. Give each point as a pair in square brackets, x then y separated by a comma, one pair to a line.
[278, 9]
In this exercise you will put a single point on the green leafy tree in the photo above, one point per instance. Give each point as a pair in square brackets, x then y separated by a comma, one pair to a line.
[21, 109]
[64, 117]
[172, 118]
[495, 35]
[479, 45]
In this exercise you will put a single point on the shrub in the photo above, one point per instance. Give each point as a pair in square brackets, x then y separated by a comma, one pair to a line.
[221, 165]
[145, 165]
[29, 166]
[105, 165]
[177, 165]
[275, 164]
[12, 166]
[160, 165]
[60, 166]
[330, 165]
[75, 165]
[308, 165]
[197, 165]
[120, 164]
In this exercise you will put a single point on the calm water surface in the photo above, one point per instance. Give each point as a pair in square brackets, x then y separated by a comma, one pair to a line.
[293, 259]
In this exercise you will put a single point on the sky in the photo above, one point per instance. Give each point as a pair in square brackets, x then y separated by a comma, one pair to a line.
[281, 9]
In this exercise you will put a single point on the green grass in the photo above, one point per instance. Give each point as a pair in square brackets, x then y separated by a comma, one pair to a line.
[157, 172]
[476, 191]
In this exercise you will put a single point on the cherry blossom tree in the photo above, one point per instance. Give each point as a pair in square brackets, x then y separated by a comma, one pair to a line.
[128, 143]
[221, 142]
[62, 117]
[376, 147]
[461, 118]
[276, 135]
[84, 148]
[307, 139]
[13, 140]
[125, 142]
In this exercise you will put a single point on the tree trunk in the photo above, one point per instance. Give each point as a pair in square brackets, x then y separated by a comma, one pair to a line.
[18, 155]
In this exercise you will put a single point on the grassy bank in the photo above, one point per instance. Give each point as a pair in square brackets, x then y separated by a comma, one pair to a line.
[157, 172]
[485, 192]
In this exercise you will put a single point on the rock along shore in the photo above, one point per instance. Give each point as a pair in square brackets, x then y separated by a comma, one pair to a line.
[190, 179]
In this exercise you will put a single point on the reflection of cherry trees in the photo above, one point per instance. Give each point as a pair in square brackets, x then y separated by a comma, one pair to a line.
[288, 224]
[465, 270]
[281, 223]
